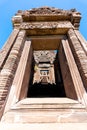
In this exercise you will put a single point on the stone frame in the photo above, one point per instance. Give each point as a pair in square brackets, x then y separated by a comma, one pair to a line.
[60, 23]
[21, 80]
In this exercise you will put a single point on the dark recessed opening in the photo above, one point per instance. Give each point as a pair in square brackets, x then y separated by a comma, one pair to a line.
[43, 88]
[46, 90]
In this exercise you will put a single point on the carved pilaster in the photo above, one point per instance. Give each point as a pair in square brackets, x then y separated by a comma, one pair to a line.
[66, 75]
[9, 69]
[74, 74]
[20, 83]
[79, 55]
[7, 47]
[82, 40]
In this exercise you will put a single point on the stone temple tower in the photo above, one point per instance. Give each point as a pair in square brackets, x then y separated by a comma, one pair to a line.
[43, 71]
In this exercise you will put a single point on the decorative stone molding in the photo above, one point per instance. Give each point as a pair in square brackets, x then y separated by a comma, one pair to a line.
[79, 55]
[20, 82]
[45, 56]
[76, 78]
[49, 10]
[7, 47]
[41, 28]
[82, 40]
[9, 69]
[17, 20]
[44, 29]
[46, 25]
[47, 14]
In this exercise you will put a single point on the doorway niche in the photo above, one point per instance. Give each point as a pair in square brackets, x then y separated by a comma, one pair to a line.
[46, 78]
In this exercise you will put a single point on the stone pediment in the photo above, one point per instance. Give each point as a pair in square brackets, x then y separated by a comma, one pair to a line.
[46, 10]
[47, 14]
[49, 11]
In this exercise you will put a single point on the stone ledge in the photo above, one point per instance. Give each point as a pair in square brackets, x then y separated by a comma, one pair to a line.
[44, 126]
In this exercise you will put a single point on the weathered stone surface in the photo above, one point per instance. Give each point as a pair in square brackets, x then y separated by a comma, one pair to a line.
[46, 25]
[46, 42]
[66, 75]
[49, 56]
[7, 47]
[42, 126]
[47, 14]
[82, 40]
[17, 19]
[44, 72]
[21, 78]
[49, 10]
[46, 28]
[9, 69]
[44, 110]
[79, 55]
[77, 81]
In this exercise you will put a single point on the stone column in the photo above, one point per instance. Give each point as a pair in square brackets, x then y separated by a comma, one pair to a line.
[7, 47]
[76, 80]
[9, 69]
[79, 55]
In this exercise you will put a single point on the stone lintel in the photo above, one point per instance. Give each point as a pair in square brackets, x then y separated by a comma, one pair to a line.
[46, 25]
[47, 14]
[45, 17]
[47, 42]
[42, 28]
[74, 18]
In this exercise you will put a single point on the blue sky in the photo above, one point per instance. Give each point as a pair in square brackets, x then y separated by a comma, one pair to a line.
[8, 8]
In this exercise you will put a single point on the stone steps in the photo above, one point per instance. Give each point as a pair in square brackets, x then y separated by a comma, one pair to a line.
[48, 104]
[46, 110]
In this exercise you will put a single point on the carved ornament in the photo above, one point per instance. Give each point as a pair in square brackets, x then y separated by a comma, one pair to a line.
[48, 10]
[45, 56]
[44, 25]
